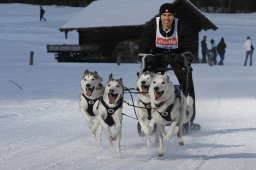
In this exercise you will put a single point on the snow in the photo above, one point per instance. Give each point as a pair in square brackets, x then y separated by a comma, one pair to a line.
[41, 126]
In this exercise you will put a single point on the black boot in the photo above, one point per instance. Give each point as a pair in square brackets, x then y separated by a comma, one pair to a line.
[194, 126]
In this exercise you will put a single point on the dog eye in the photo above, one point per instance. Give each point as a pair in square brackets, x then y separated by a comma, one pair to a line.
[163, 82]
[93, 79]
[84, 79]
[108, 85]
[117, 86]
[154, 82]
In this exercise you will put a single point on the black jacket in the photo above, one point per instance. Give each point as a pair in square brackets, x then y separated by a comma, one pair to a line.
[221, 47]
[204, 46]
[148, 37]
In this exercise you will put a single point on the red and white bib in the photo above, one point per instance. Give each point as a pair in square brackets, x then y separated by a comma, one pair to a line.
[167, 42]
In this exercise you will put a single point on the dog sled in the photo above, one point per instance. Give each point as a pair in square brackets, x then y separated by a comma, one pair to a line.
[183, 59]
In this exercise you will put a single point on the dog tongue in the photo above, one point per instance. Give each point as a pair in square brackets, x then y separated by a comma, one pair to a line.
[88, 92]
[144, 89]
[157, 94]
[112, 98]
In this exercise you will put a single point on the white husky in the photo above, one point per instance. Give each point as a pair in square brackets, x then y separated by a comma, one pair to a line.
[92, 90]
[110, 110]
[144, 104]
[168, 108]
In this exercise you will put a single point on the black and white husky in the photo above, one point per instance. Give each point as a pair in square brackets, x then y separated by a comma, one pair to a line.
[109, 111]
[92, 90]
[167, 108]
[144, 114]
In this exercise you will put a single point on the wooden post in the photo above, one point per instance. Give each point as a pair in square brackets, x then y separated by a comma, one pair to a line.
[118, 61]
[31, 58]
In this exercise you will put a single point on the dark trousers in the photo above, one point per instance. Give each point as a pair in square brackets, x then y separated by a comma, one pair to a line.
[42, 17]
[248, 54]
[222, 56]
[204, 56]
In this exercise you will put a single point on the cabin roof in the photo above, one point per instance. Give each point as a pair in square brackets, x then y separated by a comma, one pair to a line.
[113, 13]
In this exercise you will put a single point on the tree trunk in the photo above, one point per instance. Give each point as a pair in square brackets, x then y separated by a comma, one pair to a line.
[230, 5]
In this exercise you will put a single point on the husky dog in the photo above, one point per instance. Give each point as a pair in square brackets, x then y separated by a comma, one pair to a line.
[168, 108]
[92, 90]
[144, 104]
[109, 110]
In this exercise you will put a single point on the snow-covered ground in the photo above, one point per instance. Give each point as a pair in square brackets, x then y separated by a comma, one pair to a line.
[41, 126]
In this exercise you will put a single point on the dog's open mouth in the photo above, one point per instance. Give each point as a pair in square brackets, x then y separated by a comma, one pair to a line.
[112, 97]
[144, 89]
[89, 91]
[158, 94]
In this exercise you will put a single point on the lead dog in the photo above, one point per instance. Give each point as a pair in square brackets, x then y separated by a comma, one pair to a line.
[168, 108]
[110, 110]
[144, 114]
[92, 90]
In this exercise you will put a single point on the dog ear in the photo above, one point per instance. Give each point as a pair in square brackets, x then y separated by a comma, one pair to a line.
[152, 74]
[121, 80]
[95, 73]
[110, 78]
[86, 71]
[138, 74]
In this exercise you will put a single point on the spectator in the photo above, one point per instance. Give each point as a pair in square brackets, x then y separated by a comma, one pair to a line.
[221, 50]
[249, 47]
[204, 49]
[213, 51]
[42, 12]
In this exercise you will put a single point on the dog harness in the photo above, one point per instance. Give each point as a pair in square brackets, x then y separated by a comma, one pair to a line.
[90, 103]
[110, 111]
[167, 114]
[148, 107]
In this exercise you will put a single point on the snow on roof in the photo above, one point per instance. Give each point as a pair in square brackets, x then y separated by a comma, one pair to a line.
[106, 13]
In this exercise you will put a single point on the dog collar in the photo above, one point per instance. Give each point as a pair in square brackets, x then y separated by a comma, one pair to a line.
[159, 105]
[90, 103]
[113, 109]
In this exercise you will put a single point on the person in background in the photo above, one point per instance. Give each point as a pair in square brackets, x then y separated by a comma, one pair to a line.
[249, 47]
[213, 51]
[221, 49]
[166, 34]
[42, 12]
[204, 49]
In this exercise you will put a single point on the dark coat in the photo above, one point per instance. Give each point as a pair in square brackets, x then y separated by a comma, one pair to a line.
[147, 40]
[221, 47]
[204, 46]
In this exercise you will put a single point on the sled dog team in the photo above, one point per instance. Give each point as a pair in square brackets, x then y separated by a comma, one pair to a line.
[160, 104]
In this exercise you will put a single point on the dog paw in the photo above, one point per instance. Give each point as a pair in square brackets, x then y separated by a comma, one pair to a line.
[146, 130]
[94, 130]
[113, 138]
[160, 155]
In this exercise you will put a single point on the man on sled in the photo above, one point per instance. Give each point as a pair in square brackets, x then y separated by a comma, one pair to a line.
[167, 41]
